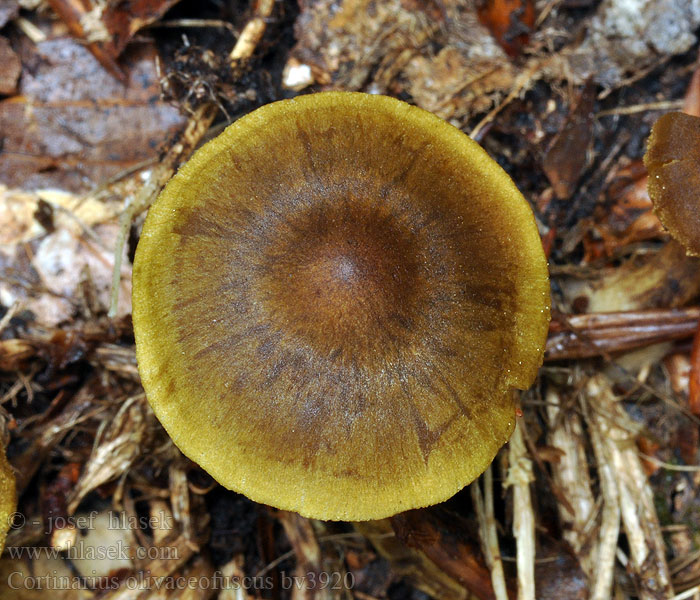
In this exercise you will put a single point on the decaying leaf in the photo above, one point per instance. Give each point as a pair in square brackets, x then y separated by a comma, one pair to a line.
[67, 128]
[108, 27]
[411, 563]
[510, 21]
[391, 47]
[627, 36]
[566, 158]
[666, 279]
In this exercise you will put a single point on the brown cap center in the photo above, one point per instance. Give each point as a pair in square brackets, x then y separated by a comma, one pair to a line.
[344, 277]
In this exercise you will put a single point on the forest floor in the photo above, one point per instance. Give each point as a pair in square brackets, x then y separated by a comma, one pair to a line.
[595, 496]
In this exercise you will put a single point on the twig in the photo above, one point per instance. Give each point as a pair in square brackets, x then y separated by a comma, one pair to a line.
[604, 556]
[7, 317]
[669, 466]
[570, 475]
[637, 108]
[646, 545]
[253, 32]
[583, 336]
[519, 478]
[641, 74]
[178, 23]
[488, 533]
[28, 28]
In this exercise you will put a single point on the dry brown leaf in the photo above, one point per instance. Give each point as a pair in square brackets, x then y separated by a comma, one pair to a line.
[67, 128]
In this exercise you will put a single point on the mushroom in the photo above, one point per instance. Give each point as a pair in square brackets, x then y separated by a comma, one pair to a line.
[673, 162]
[8, 497]
[333, 301]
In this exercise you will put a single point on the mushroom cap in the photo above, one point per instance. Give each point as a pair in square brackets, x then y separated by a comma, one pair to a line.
[333, 301]
[673, 162]
[8, 496]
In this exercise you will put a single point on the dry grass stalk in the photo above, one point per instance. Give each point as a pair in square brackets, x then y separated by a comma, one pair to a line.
[604, 554]
[483, 504]
[570, 475]
[180, 501]
[252, 32]
[234, 571]
[79, 409]
[520, 476]
[646, 546]
[301, 536]
[160, 519]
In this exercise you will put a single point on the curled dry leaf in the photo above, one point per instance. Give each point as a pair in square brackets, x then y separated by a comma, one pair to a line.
[510, 22]
[66, 129]
[108, 27]
[625, 215]
[451, 542]
[673, 161]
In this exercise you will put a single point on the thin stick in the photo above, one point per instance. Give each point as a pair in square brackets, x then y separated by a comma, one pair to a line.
[253, 32]
[519, 478]
[195, 129]
[638, 108]
[487, 532]
[604, 558]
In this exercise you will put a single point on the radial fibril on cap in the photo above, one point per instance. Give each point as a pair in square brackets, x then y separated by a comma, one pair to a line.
[333, 301]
